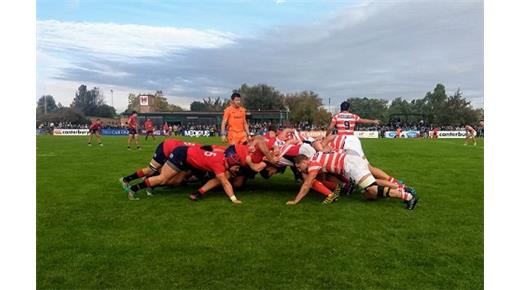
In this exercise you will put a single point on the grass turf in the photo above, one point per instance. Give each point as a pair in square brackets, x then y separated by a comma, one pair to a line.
[90, 236]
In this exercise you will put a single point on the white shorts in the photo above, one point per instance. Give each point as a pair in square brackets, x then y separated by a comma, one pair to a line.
[307, 150]
[357, 168]
[352, 143]
[469, 135]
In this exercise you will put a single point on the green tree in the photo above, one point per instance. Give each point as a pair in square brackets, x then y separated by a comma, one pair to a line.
[261, 97]
[434, 103]
[105, 111]
[304, 107]
[457, 111]
[369, 108]
[197, 106]
[43, 101]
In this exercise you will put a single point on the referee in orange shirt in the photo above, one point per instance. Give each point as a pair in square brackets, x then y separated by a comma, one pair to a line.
[235, 119]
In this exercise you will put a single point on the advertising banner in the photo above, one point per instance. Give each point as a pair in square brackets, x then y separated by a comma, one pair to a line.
[196, 133]
[450, 134]
[116, 132]
[366, 134]
[359, 134]
[404, 134]
[70, 132]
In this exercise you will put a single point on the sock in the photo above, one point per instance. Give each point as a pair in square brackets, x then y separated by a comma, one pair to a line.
[201, 191]
[319, 187]
[383, 191]
[139, 186]
[404, 195]
[392, 180]
[329, 184]
[138, 174]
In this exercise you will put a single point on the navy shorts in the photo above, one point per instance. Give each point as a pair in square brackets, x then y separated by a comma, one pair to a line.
[158, 156]
[132, 131]
[177, 159]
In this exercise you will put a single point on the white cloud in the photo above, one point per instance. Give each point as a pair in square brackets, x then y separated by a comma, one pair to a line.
[124, 41]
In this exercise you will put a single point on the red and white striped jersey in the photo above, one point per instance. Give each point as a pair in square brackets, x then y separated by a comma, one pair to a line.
[345, 123]
[302, 136]
[289, 150]
[328, 162]
[338, 142]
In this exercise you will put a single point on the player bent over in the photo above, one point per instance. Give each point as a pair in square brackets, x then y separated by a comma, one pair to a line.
[94, 130]
[352, 143]
[185, 158]
[160, 157]
[350, 166]
[471, 134]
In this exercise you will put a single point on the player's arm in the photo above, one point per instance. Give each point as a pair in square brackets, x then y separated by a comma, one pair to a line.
[246, 126]
[223, 126]
[326, 141]
[228, 188]
[331, 127]
[306, 186]
[368, 121]
[262, 145]
[257, 167]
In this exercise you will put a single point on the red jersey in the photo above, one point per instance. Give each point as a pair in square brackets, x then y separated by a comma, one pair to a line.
[345, 123]
[132, 122]
[148, 124]
[95, 126]
[242, 151]
[470, 130]
[328, 162]
[170, 144]
[206, 160]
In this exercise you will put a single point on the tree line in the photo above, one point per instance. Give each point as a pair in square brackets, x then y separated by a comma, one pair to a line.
[305, 107]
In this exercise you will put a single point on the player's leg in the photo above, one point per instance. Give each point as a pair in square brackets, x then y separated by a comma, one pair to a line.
[378, 173]
[90, 139]
[236, 181]
[98, 137]
[130, 137]
[136, 138]
[167, 173]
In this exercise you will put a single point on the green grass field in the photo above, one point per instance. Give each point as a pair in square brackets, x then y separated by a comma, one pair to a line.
[90, 236]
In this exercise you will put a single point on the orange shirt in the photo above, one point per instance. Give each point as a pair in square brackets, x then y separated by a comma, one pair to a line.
[235, 118]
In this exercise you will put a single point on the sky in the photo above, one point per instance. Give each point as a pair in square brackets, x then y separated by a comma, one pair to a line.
[195, 49]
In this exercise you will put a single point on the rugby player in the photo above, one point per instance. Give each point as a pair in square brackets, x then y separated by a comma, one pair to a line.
[235, 120]
[148, 125]
[166, 129]
[471, 134]
[288, 153]
[132, 130]
[94, 129]
[345, 122]
[192, 159]
[349, 166]
[339, 143]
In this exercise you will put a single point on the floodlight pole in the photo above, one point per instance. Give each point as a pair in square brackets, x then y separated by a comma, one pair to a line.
[112, 96]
